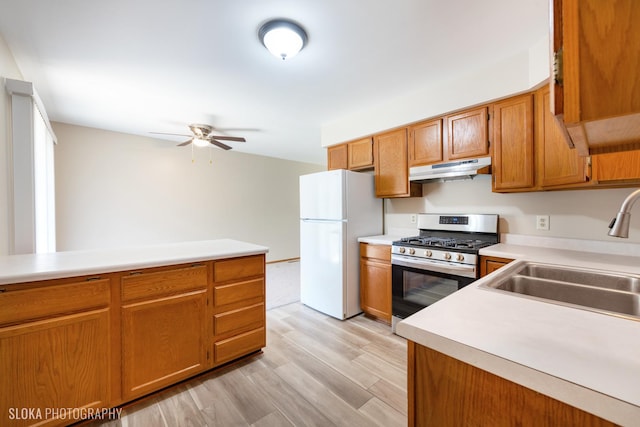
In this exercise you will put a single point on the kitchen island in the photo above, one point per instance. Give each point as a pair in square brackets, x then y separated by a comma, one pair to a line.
[586, 360]
[86, 331]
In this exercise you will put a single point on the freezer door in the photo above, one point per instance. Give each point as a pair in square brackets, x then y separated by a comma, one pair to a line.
[322, 266]
[322, 195]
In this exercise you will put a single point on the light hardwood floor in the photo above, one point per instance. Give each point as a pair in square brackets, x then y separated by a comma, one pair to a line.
[314, 371]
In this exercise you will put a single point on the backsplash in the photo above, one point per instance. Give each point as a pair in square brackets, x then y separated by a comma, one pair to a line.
[576, 214]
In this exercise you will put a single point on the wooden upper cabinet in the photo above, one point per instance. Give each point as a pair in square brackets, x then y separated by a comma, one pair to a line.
[360, 154]
[617, 168]
[355, 155]
[391, 165]
[337, 157]
[596, 94]
[513, 151]
[558, 164]
[468, 134]
[425, 143]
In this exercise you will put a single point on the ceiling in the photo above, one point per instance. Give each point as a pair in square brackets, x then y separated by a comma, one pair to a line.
[146, 66]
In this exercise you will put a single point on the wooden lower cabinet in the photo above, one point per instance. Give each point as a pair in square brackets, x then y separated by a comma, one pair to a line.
[239, 322]
[163, 317]
[375, 281]
[444, 392]
[489, 264]
[100, 341]
[54, 351]
[163, 341]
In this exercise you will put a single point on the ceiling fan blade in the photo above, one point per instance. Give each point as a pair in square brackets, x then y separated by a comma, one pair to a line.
[185, 143]
[220, 144]
[172, 134]
[228, 138]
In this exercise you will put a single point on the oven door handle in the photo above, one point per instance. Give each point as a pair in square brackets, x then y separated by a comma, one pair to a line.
[424, 264]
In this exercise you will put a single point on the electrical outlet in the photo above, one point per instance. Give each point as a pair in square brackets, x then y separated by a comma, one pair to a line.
[413, 218]
[542, 222]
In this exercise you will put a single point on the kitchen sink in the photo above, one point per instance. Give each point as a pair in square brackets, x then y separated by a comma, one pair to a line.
[595, 290]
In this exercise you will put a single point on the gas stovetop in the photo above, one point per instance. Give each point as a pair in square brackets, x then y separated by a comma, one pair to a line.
[448, 238]
[443, 242]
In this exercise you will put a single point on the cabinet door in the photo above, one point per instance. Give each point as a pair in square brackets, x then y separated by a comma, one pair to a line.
[599, 85]
[443, 391]
[558, 164]
[620, 168]
[375, 289]
[490, 264]
[468, 134]
[337, 157]
[163, 341]
[425, 143]
[513, 147]
[360, 154]
[62, 362]
[391, 165]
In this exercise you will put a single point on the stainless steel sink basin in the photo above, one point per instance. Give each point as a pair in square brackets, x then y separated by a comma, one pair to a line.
[587, 289]
[594, 278]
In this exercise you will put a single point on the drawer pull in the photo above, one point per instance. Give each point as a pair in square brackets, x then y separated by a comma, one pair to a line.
[91, 279]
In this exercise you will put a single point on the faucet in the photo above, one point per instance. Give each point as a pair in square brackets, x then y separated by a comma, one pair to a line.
[619, 226]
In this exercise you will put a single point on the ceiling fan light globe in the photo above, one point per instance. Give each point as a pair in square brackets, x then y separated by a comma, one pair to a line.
[199, 142]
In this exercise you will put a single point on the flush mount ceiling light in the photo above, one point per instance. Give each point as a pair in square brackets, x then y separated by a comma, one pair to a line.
[283, 38]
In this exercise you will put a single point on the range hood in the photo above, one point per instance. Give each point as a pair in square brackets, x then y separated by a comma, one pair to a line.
[461, 169]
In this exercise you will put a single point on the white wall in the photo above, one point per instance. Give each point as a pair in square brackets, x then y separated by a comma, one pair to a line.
[513, 74]
[114, 190]
[581, 214]
[8, 69]
[578, 214]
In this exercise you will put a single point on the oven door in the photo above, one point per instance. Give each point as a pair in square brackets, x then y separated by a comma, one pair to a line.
[416, 287]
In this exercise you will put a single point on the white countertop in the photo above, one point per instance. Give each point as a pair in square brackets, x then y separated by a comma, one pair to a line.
[586, 359]
[26, 268]
[382, 239]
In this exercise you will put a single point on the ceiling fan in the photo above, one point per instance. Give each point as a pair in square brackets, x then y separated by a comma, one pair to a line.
[202, 136]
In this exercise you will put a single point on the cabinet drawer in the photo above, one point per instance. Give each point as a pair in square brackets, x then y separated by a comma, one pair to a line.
[238, 292]
[381, 252]
[238, 346]
[162, 283]
[238, 268]
[52, 299]
[242, 319]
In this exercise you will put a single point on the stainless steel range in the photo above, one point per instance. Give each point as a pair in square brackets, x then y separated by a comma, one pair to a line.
[440, 260]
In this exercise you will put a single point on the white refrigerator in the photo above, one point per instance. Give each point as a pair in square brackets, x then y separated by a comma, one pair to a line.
[336, 207]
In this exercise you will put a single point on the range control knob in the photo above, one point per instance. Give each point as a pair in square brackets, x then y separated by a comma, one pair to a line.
[412, 251]
[460, 257]
[401, 250]
[447, 256]
[428, 253]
